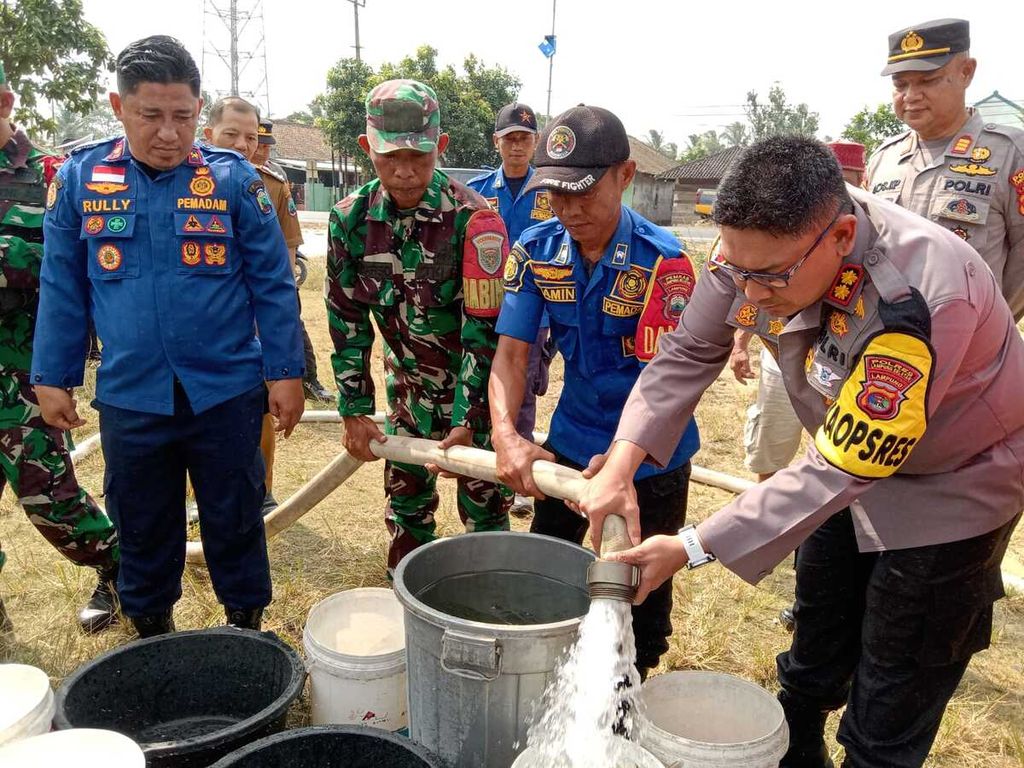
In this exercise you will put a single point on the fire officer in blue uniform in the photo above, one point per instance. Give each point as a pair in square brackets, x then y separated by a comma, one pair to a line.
[173, 249]
[515, 138]
[612, 283]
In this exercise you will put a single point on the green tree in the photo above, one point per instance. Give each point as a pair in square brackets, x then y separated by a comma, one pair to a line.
[469, 102]
[700, 145]
[778, 116]
[96, 124]
[735, 135]
[656, 141]
[53, 57]
[871, 128]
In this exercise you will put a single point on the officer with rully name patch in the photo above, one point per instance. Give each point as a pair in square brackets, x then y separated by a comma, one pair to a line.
[612, 283]
[172, 247]
[952, 166]
[902, 359]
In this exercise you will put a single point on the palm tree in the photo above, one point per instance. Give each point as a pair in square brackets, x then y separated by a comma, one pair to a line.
[735, 135]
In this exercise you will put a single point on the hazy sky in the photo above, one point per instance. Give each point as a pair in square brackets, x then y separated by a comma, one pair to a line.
[678, 66]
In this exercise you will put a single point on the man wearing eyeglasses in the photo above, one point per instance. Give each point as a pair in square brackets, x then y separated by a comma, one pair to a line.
[952, 166]
[903, 360]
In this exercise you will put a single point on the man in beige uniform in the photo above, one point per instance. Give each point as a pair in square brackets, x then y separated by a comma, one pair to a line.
[902, 358]
[952, 167]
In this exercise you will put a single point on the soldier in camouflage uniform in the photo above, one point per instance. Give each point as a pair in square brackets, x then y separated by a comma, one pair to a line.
[34, 456]
[423, 255]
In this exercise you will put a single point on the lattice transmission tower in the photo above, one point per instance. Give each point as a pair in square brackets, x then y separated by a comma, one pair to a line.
[235, 52]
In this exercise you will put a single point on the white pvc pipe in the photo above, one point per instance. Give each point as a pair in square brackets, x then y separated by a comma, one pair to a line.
[86, 447]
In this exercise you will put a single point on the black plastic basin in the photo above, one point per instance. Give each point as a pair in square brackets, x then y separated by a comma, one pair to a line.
[186, 698]
[332, 746]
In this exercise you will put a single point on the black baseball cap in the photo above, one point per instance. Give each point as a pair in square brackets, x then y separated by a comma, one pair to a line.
[927, 46]
[515, 117]
[266, 133]
[576, 148]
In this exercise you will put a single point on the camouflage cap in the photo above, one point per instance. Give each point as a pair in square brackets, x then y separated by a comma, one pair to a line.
[402, 114]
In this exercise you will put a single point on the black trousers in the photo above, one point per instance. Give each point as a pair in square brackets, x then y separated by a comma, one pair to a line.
[662, 500]
[147, 456]
[888, 634]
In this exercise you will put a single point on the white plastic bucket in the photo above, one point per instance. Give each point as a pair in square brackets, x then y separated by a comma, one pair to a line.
[26, 702]
[708, 719]
[355, 651]
[635, 757]
[79, 747]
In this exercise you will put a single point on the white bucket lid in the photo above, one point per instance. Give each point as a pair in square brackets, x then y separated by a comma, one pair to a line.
[25, 696]
[368, 622]
[80, 747]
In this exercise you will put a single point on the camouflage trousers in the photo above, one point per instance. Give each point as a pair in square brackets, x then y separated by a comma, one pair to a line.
[412, 496]
[37, 466]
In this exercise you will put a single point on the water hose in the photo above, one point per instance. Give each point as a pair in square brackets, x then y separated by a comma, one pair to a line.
[612, 580]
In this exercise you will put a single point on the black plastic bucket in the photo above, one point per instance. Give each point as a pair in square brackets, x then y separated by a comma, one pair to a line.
[187, 698]
[332, 746]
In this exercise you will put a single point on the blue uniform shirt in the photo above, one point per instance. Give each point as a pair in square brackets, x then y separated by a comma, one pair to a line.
[593, 320]
[518, 213]
[176, 272]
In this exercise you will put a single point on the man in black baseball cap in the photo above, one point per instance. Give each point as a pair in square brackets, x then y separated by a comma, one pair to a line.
[612, 283]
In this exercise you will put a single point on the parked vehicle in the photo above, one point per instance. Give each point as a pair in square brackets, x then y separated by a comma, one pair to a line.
[704, 202]
[301, 268]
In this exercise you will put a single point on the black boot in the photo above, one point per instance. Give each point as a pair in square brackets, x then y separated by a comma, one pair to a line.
[5, 621]
[316, 392]
[101, 610]
[151, 626]
[787, 619]
[244, 618]
[806, 735]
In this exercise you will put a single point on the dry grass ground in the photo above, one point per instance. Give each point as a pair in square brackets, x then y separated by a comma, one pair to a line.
[721, 623]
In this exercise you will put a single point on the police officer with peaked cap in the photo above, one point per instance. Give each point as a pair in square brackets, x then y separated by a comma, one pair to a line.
[953, 167]
[172, 248]
[894, 337]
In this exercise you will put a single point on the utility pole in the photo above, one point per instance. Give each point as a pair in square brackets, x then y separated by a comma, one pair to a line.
[233, 29]
[356, 5]
[551, 59]
[235, 44]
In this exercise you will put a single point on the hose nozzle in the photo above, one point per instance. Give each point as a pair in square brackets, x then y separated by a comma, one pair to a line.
[615, 581]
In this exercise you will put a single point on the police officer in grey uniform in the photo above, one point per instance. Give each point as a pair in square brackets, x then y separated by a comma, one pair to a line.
[902, 358]
[951, 166]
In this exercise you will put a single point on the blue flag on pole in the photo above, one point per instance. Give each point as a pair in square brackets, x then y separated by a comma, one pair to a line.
[548, 46]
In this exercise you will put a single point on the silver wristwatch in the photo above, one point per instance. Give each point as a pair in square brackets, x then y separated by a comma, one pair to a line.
[694, 550]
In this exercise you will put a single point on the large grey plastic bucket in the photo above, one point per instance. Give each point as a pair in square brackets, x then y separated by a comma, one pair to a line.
[472, 683]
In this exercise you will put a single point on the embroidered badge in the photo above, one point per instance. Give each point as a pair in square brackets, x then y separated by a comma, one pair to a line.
[117, 224]
[911, 42]
[961, 209]
[195, 157]
[837, 323]
[94, 225]
[215, 227]
[193, 224]
[190, 253]
[961, 233]
[746, 315]
[106, 180]
[962, 145]
[541, 206]
[117, 152]
[885, 385]
[488, 251]
[51, 193]
[619, 308]
[858, 309]
[109, 257]
[493, 203]
[563, 255]
[845, 284]
[263, 199]
[775, 326]
[548, 272]
[981, 154]
[630, 284]
[214, 254]
[561, 142]
[973, 169]
[202, 184]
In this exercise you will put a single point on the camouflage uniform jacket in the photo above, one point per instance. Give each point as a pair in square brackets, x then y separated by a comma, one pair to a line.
[25, 172]
[432, 281]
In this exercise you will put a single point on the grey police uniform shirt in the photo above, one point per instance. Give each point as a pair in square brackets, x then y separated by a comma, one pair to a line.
[975, 189]
[964, 474]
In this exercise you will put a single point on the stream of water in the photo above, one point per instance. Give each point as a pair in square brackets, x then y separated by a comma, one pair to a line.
[590, 710]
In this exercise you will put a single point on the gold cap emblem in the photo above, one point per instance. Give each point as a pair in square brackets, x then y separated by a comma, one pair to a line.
[912, 42]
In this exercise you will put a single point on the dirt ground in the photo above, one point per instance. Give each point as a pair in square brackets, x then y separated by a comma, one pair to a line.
[721, 623]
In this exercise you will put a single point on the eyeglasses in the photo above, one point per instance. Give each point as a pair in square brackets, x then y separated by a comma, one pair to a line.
[773, 279]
